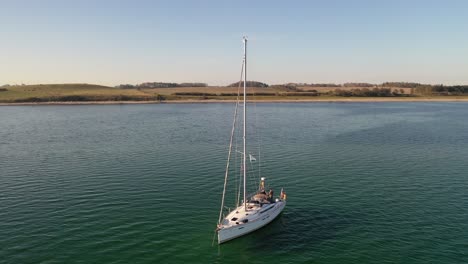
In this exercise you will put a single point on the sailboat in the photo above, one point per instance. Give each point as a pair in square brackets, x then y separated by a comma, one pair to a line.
[258, 208]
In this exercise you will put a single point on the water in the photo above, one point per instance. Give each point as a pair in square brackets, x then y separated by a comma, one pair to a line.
[366, 183]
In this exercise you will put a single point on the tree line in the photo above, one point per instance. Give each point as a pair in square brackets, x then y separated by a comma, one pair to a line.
[450, 90]
[374, 92]
[249, 84]
[161, 85]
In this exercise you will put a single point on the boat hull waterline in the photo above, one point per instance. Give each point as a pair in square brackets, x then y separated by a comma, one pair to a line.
[259, 220]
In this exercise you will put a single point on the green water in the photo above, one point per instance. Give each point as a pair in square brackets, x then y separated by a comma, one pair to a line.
[366, 183]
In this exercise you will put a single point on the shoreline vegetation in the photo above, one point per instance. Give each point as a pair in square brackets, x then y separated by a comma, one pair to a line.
[159, 92]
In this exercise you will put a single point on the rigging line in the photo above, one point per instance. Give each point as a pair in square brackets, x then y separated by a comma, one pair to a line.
[257, 134]
[214, 236]
[241, 176]
[259, 138]
[229, 153]
[237, 181]
[238, 177]
[237, 162]
[237, 171]
[252, 174]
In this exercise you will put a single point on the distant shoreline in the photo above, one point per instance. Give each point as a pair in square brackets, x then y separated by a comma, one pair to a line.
[207, 101]
[90, 94]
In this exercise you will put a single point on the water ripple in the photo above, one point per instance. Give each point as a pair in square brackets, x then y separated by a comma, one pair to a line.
[366, 183]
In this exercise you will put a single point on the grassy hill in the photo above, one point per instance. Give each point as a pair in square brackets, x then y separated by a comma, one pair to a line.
[72, 92]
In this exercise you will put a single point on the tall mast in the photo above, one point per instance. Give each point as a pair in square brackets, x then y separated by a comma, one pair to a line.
[245, 120]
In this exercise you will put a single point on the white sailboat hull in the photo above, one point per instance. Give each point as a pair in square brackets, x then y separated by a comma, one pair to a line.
[226, 233]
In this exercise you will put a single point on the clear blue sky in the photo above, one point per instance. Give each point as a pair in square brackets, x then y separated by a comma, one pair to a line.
[112, 42]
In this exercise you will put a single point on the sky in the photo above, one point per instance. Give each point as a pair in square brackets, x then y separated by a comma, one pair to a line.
[317, 41]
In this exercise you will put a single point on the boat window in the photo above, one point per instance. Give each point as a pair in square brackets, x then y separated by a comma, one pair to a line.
[245, 220]
[234, 219]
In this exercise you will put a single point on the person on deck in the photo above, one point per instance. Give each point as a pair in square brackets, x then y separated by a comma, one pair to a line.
[270, 195]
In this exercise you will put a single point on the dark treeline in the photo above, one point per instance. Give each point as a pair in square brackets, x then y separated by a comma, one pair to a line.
[195, 94]
[249, 94]
[249, 84]
[359, 85]
[375, 92]
[309, 93]
[157, 85]
[87, 98]
[160, 85]
[362, 84]
[402, 84]
[196, 84]
[429, 90]
[313, 84]
[332, 85]
[220, 94]
[323, 85]
[366, 89]
[285, 87]
[450, 90]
